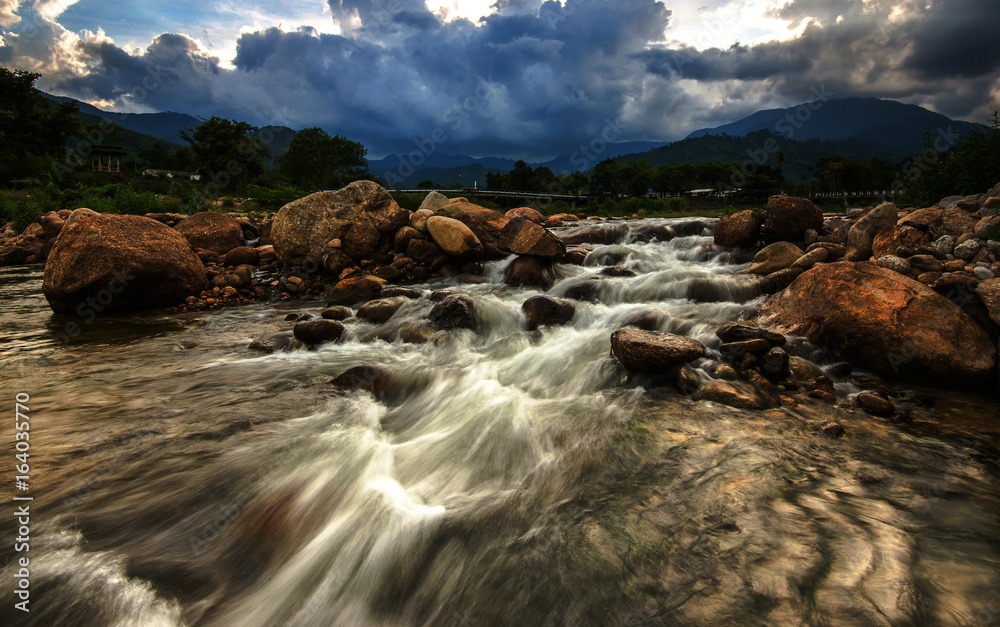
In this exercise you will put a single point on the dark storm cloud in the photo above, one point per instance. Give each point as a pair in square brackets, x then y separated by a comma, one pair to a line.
[538, 78]
[956, 38]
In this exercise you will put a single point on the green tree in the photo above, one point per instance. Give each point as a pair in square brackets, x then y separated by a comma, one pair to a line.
[227, 151]
[315, 160]
[33, 129]
[604, 179]
[636, 178]
[519, 179]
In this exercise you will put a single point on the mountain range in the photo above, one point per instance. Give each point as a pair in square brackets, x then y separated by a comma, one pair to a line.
[856, 128]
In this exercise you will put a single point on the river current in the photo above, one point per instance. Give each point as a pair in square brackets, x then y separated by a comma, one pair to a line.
[503, 477]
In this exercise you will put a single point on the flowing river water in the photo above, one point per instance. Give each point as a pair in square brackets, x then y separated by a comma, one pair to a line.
[505, 477]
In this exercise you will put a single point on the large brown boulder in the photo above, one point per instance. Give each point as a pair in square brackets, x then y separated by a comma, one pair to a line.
[360, 215]
[217, 232]
[485, 223]
[454, 237]
[106, 263]
[957, 222]
[522, 236]
[789, 218]
[739, 229]
[862, 235]
[886, 322]
[653, 351]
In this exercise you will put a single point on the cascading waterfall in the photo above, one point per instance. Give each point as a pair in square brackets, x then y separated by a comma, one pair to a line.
[502, 477]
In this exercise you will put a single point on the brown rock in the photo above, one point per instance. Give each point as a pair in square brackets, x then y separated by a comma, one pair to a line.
[777, 281]
[241, 255]
[526, 212]
[875, 404]
[379, 310]
[776, 256]
[314, 332]
[118, 263]
[741, 331]
[738, 229]
[885, 322]
[732, 394]
[738, 349]
[455, 311]
[862, 235]
[522, 236]
[338, 312]
[811, 258]
[361, 216]
[957, 222]
[989, 293]
[530, 272]
[51, 224]
[403, 237]
[835, 252]
[653, 351]
[354, 290]
[216, 232]
[423, 251]
[547, 311]
[454, 237]
[788, 218]
[485, 223]
[927, 220]
[888, 240]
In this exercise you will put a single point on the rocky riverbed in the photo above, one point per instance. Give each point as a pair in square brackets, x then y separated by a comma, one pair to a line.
[629, 431]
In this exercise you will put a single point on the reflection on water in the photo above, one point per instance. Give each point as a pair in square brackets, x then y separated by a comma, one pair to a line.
[512, 477]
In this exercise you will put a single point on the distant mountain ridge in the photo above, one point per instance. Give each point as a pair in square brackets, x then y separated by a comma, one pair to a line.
[895, 125]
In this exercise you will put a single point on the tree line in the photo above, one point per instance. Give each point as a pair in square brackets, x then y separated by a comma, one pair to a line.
[39, 137]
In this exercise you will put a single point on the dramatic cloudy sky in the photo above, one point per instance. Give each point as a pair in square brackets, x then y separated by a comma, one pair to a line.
[520, 78]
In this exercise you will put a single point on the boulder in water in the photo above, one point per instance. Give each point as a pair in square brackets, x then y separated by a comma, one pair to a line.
[315, 332]
[653, 351]
[545, 310]
[886, 322]
[355, 290]
[530, 272]
[455, 311]
[485, 223]
[380, 309]
[104, 263]
[522, 236]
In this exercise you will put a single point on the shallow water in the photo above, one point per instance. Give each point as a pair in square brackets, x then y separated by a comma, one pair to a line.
[509, 477]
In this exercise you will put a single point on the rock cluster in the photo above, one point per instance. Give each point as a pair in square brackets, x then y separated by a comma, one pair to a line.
[909, 294]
